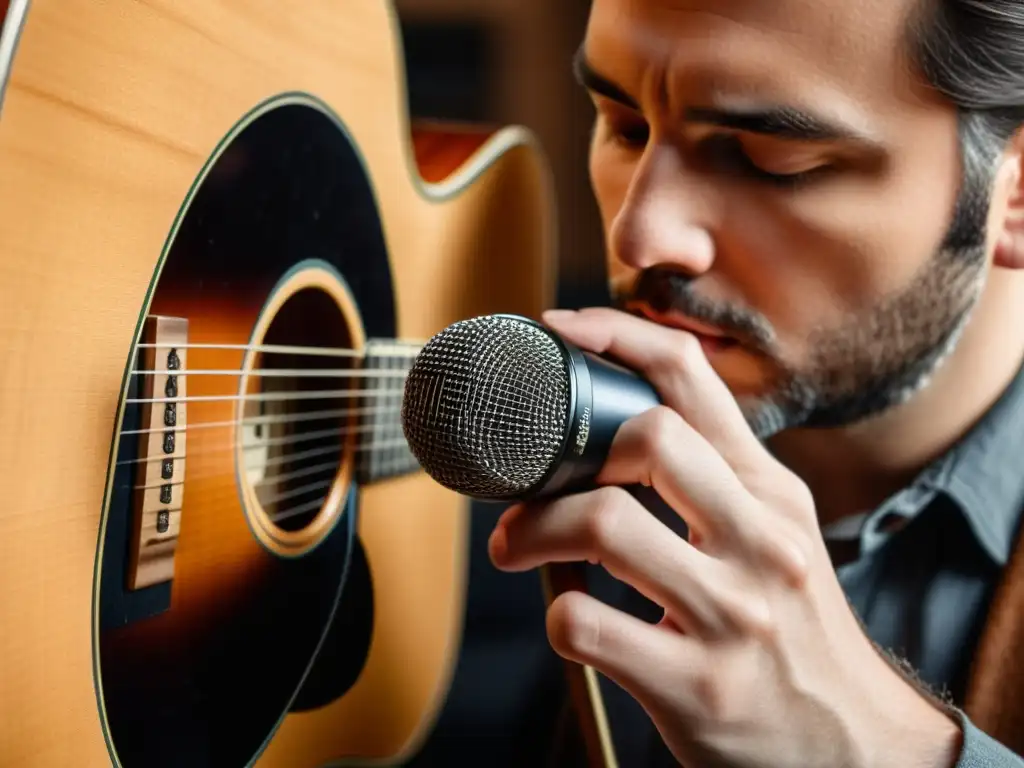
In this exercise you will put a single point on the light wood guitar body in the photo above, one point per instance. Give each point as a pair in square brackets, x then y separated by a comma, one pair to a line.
[204, 206]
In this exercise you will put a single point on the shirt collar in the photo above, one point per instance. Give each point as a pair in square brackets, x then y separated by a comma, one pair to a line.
[983, 474]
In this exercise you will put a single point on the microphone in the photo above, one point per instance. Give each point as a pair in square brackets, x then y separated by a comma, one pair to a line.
[500, 408]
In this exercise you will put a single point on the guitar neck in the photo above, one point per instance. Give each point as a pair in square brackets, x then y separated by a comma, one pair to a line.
[383, 450]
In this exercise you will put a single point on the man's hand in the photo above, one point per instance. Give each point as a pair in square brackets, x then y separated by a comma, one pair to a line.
[759, 660]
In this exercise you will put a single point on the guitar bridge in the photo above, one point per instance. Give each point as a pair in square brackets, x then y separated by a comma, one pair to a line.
[160, 479]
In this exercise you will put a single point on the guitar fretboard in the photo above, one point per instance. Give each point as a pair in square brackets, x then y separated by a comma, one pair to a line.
[383, 451]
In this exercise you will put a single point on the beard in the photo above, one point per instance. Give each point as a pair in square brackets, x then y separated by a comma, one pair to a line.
[870, 361]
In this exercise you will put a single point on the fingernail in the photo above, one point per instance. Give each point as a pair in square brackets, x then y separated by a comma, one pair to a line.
[497, 546]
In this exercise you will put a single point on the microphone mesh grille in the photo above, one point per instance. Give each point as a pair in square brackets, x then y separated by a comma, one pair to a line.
[486, 406]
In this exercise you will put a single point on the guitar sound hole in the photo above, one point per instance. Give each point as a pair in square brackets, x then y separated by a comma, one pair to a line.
[297, 419]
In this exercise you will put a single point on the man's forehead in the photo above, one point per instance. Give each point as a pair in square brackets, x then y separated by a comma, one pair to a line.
[826, 21]
[858, 45]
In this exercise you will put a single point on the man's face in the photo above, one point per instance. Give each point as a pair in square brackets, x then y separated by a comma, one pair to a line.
[777, 172]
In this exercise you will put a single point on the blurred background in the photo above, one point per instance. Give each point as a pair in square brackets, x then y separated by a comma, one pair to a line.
[509, 62]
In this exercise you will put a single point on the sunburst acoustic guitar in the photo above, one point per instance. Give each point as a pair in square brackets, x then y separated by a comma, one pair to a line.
[221, 241]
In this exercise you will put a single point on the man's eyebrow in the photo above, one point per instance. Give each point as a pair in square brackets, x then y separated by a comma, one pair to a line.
[592, 81]
[784, 122]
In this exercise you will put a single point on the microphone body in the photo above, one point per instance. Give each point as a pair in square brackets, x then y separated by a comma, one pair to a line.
[603, 395]
[501, 408]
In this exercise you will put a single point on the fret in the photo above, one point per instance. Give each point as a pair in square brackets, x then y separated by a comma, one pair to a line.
[384, 452]
[409, 462]
[385, 448]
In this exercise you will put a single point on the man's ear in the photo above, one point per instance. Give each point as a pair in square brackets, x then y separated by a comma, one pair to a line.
[1009, 203]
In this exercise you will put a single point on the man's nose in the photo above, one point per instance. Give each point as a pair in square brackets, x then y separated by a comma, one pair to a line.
[664, 217]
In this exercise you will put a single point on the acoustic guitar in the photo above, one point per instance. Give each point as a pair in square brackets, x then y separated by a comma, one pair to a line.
[221, 242]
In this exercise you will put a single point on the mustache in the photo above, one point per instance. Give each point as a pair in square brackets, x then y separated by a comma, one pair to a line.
[665, 290]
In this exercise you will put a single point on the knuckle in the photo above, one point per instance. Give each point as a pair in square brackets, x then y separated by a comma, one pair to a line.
[745, 611]
[572, 629]
[795, 560]
[709, 695]
[753, 613]
[661, 430]
[688, 351]
[604, 520]
[782, 540]
[785, 552]
[721, 694]
[681, 359]
[790, 494]
[798, 495]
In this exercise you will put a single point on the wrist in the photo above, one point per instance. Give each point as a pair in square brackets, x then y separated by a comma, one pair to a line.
[934, 741]
[920, 732]
[906, 725]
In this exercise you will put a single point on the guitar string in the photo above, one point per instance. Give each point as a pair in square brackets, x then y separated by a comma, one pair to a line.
[292, 395]
[376, 349]
[370, 374]
[297, 510]
[265, 373]
[270, 397]
[230, 446]
[298, 437]
[291, 493]
[336, 448]
[289, 512]
[388, 444]
[399, 460]
[288, 419]
[313, 469]
[409, 464]
[398, 456]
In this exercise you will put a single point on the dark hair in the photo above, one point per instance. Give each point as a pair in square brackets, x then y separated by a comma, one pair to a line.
[972, 52]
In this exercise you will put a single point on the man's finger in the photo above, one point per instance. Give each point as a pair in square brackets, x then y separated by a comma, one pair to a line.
[703, 595]
[674, 363]
[658, 448]
[661, 669]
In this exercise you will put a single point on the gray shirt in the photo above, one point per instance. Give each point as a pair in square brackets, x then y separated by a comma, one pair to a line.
[929, 560]
[931, 556]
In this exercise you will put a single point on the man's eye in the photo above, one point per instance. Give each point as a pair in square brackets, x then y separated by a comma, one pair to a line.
[632, 134]
[635, 135]
[724, 153]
